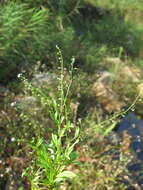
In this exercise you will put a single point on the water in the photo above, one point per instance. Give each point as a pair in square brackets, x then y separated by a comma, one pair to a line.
[134, 127]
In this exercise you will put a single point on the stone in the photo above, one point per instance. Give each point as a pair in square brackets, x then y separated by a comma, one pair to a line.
[102, 89]
[122, 70]
[44, 78]
[25, 103]
[131, 73]
[105, 78]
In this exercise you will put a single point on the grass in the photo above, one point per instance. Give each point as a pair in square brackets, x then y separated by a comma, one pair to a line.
[66, 25]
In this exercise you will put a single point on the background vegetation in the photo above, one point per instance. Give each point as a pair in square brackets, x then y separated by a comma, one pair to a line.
[77, 140]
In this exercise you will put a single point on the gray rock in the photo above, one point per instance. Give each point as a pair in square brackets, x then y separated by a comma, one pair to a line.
[105, 78]
[44, 78]
[25, 103]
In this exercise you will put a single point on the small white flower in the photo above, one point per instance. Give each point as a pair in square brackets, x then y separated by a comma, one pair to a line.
[8, 170]
[13, 104]
[12, 139]
[1, 175]
[19, 75]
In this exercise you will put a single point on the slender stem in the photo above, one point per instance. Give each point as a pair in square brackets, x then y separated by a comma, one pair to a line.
[76, 6]
[122, 112]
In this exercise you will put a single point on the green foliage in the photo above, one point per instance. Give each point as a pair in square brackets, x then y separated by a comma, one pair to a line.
[30, 31]
[51, 162]
[22, 37]
[122, 5]
[51, 158]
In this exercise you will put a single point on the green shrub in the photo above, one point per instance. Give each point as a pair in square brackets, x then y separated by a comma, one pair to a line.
[30, 31]
[23, 37]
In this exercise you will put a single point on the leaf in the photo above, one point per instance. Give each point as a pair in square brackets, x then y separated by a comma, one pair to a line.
[62, 132]
[55, 139]
[40, 141]
[65, 175]
[109, 129]
[77, 133]
[69, 149]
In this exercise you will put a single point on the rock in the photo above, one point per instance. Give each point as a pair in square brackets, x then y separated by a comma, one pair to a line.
[105, 78]
[131, 73]
[102, 89]
[122, 70]
[25, 103]
[44, 78]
